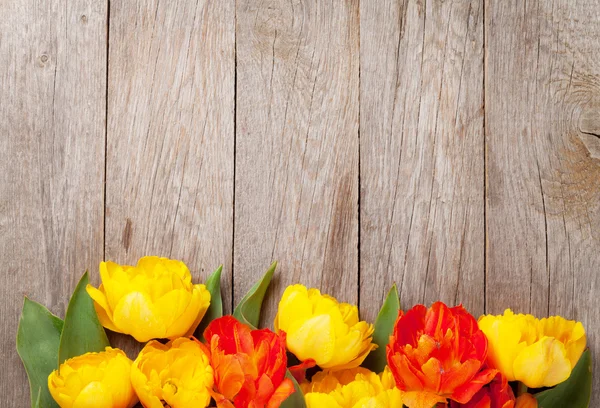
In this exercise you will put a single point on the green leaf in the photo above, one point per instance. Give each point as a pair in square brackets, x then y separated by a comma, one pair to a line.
[38, 337]
[296, 400]
[82, 332]
[248, 310]
[376, 360]
[215, 310]
[575, 392]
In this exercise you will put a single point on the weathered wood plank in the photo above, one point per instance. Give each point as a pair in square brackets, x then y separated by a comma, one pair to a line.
[170, 133]
[542, 100]
[52, 124]
[296, 189]
[421, 142]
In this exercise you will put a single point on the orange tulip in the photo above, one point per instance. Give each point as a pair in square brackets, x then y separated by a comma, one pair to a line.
[526, 401]
[496, 394]
[249, 365]
[436, 354]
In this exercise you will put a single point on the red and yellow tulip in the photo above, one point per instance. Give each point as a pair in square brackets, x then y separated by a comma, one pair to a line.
[437, 354]
[249, 365]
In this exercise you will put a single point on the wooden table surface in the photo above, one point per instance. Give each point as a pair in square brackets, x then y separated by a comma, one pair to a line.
[452, 147]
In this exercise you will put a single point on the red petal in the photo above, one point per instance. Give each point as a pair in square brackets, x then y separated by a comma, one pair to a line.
[299, 371]
[465, 392]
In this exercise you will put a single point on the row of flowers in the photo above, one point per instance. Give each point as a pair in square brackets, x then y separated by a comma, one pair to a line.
[319, 355]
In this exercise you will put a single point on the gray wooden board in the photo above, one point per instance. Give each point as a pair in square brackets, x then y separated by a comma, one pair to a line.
[542, 115]
[170, 134]
[296, 198]
[52, 114]
[421, 142]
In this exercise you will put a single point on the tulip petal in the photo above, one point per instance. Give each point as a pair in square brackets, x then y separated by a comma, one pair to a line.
[101, 305]
[293, 307]
[314, 339]
[549, 357]
[136, 315]
[421, 399]
[465, 392]
[94, 395]
[321, 400]
[285, 389]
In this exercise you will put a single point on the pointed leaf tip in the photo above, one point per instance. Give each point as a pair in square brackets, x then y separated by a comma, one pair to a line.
[215, 309]
[82, 332]
[38, 337]
[384, 325]
[249, 308]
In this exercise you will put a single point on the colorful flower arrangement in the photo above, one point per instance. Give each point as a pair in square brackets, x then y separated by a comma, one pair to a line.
[319, 355]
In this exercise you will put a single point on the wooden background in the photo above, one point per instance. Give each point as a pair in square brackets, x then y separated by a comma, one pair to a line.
[452, 147]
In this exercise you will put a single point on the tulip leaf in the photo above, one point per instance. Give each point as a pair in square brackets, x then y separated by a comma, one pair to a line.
[82, 332]
[384, 325]
[38, 337]
[248, 310]
[215, 309]
[575, 392]
[295, 400]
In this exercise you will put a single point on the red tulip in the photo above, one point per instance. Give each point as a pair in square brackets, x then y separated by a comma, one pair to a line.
[496, 394]
[436, 354]
[249, 365]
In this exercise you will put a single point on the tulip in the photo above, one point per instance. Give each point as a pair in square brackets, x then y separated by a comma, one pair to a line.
[177, 374]
[249, 365]
[155, 299]
[322, 330]
[526, 401]
[94, 380]
[436, 354]
[539, 353]
[352, 388]
[497, 394]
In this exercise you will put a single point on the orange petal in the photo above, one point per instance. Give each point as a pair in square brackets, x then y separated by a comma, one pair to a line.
[285, 389]
[421, 399]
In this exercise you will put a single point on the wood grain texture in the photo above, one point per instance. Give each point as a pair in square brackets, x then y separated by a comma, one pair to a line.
[542, 100]
[421, 142]
[52, 114]
[170, 134]
[297, 146]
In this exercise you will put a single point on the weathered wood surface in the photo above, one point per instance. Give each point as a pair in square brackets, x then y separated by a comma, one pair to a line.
[169, 169]
[421, 142]
[52, 114]
[296, 190]
[542, 113]
[451, 147]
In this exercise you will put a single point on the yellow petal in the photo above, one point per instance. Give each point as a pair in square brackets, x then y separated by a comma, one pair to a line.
[94, 395]
[543, 364]
[201, 296]
[314, 339]
[136, 315]
[504, 343]
[294, 307]
[319, 400]
[101, 305]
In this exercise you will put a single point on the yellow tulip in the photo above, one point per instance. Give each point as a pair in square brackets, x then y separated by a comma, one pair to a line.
[352, 388]
[539, 353]
[177, 374]
[321, 329]
[94, 380]
[155, 299]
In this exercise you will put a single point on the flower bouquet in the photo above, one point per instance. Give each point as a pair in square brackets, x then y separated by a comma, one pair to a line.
[320, 353]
